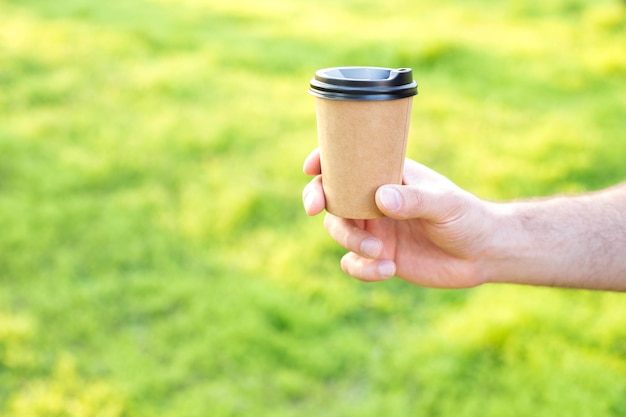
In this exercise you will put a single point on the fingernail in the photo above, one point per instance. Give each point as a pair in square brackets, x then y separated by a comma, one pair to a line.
[390, 198]
[387, 269]
[371, 248]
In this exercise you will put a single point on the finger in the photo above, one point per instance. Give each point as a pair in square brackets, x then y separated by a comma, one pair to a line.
[425, 194]
[368, 270]
[313, 197]
[433, 203]
[312, 163]
[349, 235]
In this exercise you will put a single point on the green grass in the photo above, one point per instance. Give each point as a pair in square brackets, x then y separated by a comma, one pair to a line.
[154, 255]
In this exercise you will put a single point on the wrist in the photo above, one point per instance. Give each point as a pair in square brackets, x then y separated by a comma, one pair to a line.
[513, 254]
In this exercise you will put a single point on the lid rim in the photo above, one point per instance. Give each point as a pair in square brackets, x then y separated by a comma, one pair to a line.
[364, 89]
[353, 97]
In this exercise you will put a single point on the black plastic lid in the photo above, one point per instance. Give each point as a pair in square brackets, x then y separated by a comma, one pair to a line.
[363, 83]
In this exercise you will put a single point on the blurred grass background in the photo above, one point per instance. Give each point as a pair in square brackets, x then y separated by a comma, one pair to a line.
[154, 256]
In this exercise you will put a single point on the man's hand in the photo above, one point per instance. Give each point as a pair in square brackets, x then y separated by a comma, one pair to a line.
[435, 234]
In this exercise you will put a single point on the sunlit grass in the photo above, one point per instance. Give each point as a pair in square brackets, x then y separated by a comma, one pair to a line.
[154, 255]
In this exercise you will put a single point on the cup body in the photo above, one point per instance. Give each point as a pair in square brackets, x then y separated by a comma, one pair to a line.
[362, 146]
[363, 128]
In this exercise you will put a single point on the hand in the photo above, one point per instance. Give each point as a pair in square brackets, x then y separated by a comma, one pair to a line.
[435, 234]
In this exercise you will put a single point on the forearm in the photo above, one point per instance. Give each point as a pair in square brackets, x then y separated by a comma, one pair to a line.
[577, 242]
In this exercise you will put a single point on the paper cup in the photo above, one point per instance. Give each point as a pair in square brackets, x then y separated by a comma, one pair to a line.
[363, 116]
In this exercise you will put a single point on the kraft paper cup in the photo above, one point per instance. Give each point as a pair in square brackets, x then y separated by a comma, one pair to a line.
[363, 116]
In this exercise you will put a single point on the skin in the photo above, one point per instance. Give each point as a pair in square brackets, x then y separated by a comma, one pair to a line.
[436, 234]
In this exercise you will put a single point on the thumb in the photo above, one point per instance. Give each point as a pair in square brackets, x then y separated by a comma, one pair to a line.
[435, 204]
